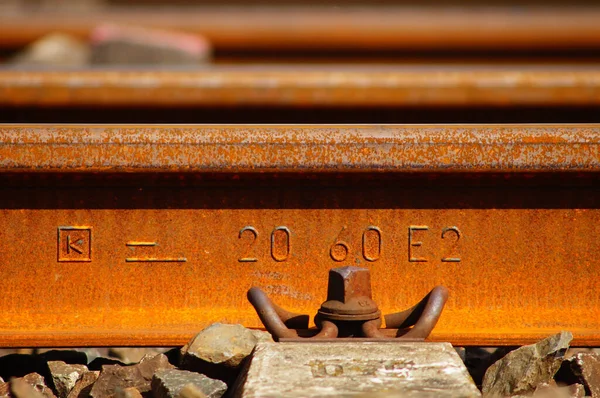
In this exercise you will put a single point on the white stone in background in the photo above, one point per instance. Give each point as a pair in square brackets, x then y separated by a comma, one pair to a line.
[373, 369]
[54, 49]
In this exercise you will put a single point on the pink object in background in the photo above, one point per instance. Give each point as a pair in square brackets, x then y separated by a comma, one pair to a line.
[115, 44]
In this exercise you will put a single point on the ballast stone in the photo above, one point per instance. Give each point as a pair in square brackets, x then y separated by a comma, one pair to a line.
[223, 344]
[218, 350]
[169, 383]
[115, 377]
[374, 369]
[31, 385]
[521, 371]
[84, 385]
[65, 376]
[586, 367]
[22, 389]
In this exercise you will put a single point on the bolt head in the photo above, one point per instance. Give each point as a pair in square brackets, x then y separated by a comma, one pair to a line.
[349, 295]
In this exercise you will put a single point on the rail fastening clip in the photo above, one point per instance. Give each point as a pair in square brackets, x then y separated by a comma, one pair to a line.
[350, 311]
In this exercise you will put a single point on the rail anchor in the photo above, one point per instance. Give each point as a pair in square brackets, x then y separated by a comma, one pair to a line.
[350, 311]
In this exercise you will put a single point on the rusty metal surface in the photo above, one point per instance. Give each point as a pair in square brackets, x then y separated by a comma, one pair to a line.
[297, 148]
[99, 247]
[354, 27]
[298, 86]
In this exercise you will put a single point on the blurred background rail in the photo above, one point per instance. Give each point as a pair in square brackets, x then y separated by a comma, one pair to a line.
[299, 62]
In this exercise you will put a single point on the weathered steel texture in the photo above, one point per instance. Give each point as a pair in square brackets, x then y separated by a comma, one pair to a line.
[299, 86]
[98, 248]
[297, 148]
[441, 28]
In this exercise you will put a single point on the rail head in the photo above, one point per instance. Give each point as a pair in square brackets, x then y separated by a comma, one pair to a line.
[304, 86]
[300, 148]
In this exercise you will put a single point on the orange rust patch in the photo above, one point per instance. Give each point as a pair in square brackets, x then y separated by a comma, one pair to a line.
[206, 212]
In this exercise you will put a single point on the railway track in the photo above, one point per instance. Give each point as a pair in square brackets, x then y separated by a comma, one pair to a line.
[419, 93]
[439, 162]
[144, 234]
[303, 86]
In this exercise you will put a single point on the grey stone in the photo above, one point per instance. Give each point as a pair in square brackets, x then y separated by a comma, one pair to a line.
[369, 369]
[55, 49]
[64, 376]
[30, 386]
[170, 383]
[115, 377]
[521, 371]
[224, 344]
[84, 385]
[218, 350]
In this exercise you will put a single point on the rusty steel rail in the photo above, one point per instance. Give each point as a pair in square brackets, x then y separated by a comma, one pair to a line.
[308, 86]
[353, 27]
[299, 149]
[142, 235]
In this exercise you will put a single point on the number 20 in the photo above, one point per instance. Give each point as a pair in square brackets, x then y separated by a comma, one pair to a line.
[280, 243]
